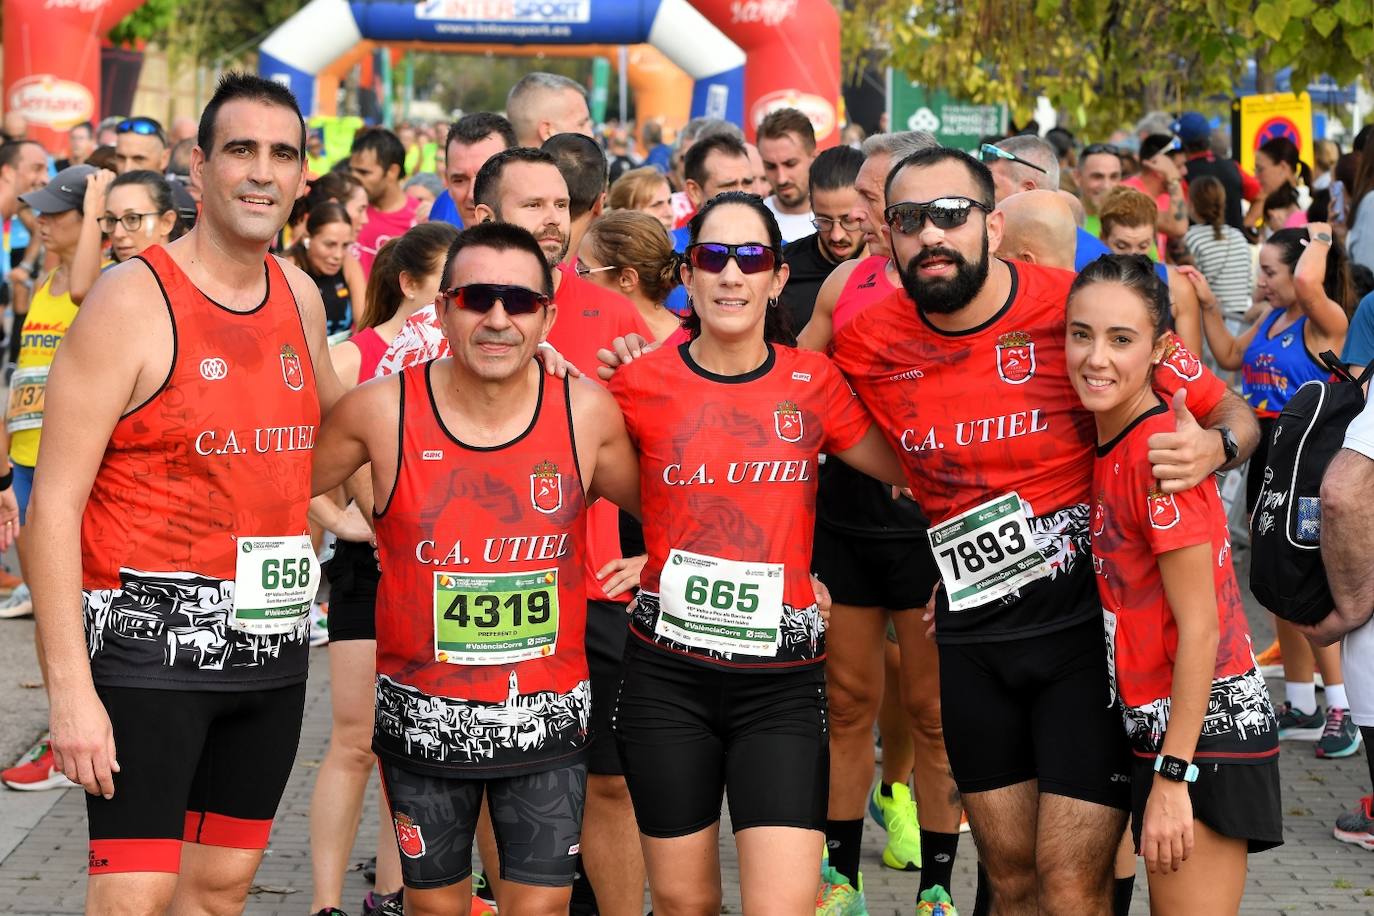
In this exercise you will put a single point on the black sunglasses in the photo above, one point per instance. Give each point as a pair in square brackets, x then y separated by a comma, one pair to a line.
[943, 212]
[991, 153]
[146, 127]
[751, 257]
[480, 297]
[1096, 148]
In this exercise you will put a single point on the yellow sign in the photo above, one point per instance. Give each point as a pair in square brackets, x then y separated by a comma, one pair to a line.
[1264, 117]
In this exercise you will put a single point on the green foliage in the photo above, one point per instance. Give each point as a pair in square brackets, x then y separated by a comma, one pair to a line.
[197, 32]
[1108, 61]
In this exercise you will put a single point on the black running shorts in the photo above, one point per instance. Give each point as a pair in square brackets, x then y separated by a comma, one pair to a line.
[1237, 800]
[196, 766]
[607, 628]
[537, 818]
[353, 578]
[891, 573]
[689, 734]
[1035, 708]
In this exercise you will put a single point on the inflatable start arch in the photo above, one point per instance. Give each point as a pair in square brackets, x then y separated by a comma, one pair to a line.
[789, 62]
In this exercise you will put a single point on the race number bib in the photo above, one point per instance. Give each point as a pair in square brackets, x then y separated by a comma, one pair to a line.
[720, 605]
[27, 389]
[986, 552]
[495, 619]
[275, 580]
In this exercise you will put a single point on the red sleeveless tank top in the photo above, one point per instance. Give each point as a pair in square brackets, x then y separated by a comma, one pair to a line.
[481, 666]
[372, 348]
[220, 453]
[866, 284]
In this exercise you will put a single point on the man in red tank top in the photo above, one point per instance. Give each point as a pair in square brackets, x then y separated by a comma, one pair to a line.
[176, 466]
[530, 188]
[482, 469]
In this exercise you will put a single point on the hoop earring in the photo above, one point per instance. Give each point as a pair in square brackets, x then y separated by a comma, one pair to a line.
[773, 303]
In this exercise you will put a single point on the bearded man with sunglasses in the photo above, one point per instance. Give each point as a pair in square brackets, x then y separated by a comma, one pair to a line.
[483, 468]
[964, 370]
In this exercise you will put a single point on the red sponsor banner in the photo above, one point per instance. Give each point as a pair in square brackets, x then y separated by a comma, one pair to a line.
[52, 62]
[793, 54]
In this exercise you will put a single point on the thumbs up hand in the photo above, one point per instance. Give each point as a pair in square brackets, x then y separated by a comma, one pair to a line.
[1180, 460]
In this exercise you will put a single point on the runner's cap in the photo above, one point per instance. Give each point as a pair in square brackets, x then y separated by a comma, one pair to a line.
[64, 192]
[1192, 126]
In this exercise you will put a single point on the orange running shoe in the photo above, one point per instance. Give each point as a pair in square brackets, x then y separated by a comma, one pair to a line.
[1270, 661]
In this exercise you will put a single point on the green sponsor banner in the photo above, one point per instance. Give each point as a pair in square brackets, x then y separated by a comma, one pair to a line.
[956, 124]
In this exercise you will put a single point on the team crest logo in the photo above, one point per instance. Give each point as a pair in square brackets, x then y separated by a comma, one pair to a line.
[408, 836]
[1015, 357]
[1182, 361]
[546, 488]
[1163, 510]
[787, 420]
[1099, 519]
[291, 371]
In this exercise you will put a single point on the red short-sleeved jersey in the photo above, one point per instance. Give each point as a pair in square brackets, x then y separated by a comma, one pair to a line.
[990, 411]
[1132, 523]
[728, 473]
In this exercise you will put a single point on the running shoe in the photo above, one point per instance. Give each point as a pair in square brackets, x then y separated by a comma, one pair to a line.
[9, 581]
[36, 771]
[375, 904]
[935, 901]
[319, 625]
[480, 907]
[18, 604]
[1300, 726]
[329, 911]
[1341, 737]
[897, 815]
[963, 823]
[1270, 661]
[837, 897]
[481, 889]
[1357, 827]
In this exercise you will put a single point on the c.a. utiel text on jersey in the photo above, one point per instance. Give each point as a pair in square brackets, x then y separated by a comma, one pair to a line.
[220, 453]
[728, 469]
[990, 410]
[481, 666]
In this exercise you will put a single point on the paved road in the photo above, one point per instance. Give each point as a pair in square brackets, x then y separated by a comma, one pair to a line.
[43, 835]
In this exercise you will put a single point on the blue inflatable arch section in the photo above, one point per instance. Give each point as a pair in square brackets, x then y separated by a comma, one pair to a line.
[323, 30]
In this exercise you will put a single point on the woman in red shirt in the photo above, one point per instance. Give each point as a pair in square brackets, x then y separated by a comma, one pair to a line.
[1205, 784]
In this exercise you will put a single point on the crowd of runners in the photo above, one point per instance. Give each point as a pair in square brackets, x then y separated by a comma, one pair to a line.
[616, 502]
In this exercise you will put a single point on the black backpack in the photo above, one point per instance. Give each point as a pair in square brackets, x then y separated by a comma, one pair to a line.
[1286, 572]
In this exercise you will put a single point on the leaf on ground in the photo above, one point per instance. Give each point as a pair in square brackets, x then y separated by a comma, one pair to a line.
[270, 889]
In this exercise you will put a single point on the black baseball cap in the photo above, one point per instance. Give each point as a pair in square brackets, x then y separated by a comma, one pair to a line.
[64, 192]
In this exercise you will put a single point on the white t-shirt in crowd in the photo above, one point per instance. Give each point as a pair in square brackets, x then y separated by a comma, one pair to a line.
[793, 225]
[1357, 648]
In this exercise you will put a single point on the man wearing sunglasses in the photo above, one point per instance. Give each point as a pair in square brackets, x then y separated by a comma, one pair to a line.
[1026, 163]
[838, 235]
[1161, 179]
[140, 144]
[964, 370]
[483, 683]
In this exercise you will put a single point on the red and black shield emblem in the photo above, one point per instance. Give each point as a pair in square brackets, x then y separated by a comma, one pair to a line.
[1015, 357]
[291, 371]
[1163, 510]
[408, 836]
[1182, 362]
[787, 421]
[546, 488]
[1099, 519]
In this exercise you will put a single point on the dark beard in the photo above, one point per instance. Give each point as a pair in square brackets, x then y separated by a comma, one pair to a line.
[945, 296]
